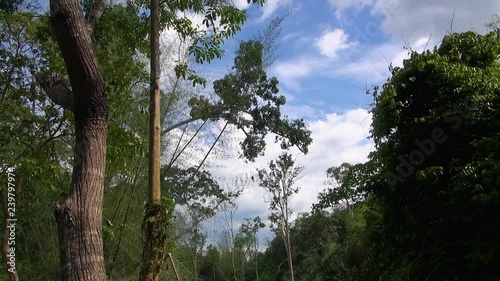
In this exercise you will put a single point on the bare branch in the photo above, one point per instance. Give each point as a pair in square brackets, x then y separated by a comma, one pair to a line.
[177, 125]
[58, 89]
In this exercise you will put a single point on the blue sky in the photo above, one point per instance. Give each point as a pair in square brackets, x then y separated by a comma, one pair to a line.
[331, 53]
[313, 46]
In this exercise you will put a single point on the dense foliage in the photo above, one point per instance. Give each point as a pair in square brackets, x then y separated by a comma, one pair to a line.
[423, 207]
[435, 126]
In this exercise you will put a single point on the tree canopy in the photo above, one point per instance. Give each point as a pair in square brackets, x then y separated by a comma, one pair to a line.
[435, 127]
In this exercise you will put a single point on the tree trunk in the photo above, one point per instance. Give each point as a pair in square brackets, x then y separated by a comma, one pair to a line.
[154, 191]
[156, 220]
[233, 262]
[288, 248]
[349, 207]
[79, 216]
[155, 228]
[243, 267]
[256, 264]
[195, 264]
[290, 262]
[288, 245]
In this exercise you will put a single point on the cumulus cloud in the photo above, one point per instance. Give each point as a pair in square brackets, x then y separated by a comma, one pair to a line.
[413, 19]
[409, 20]
[290, 72]
[415, 24]
[305, 111]
[294, 69]
[337, 138]
[373, 67]
[331, 42]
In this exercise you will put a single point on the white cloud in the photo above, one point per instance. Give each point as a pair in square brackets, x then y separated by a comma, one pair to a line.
[373, 67]
[404, 19]
[336, 137]
[302, 111]
[294, 69]
[241, 4]
[409, 20]
[173, 48]
[291, 36]
[340, 5]
[405, 23]
[331, 42]
[271, 6]
[290, 72]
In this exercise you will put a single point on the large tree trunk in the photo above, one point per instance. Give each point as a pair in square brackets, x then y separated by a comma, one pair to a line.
[79, 216]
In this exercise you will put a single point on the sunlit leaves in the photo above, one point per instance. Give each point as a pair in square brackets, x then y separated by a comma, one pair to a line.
[221, 20]
[279, 182]
[343, 186]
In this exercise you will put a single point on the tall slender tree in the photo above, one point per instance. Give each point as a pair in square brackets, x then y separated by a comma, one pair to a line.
[203, 48]
[249, 230]
[155, 218]
[279, 183]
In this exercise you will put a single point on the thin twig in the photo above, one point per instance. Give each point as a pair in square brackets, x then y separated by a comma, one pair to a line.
[173, 266]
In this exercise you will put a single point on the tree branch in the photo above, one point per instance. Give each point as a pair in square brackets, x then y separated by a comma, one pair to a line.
[58, 89]
[96, 13]
[177, 125]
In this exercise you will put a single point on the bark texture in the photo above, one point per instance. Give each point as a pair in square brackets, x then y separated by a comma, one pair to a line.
[58, 89]
[155, 228]
[155, 224]
[79, 216]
